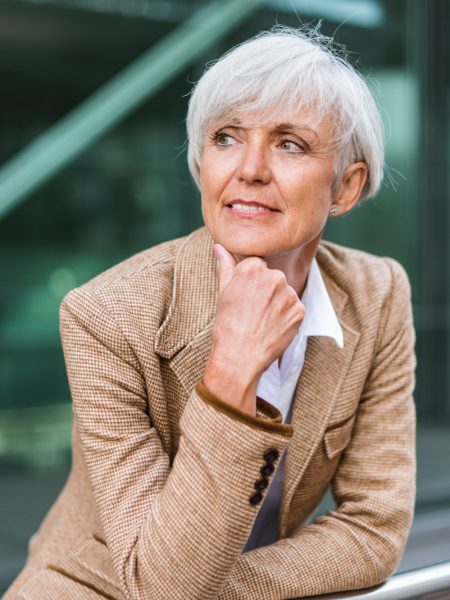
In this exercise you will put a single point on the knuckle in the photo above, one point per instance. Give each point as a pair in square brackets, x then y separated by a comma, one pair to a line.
[292, 294]
[296, 310]
[300, 311]
[291, 300]
[250, 265]
[258, 263]
[243, 268]
[278, 277]
[300, 307]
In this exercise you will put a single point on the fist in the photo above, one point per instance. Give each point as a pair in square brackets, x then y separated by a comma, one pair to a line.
[257, 316]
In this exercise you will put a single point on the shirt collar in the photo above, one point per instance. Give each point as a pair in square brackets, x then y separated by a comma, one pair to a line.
[320, 316]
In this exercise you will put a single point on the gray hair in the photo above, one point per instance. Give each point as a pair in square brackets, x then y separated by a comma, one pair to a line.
[286, 70]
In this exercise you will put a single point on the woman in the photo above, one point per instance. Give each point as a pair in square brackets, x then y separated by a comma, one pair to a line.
[184, 364]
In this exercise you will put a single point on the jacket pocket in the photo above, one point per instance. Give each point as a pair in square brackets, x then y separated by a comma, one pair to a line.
[337, 436]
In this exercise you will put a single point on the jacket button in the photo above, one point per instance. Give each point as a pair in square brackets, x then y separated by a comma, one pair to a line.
[261, 484]
[255, 498]
[267, 469]
[271, 455]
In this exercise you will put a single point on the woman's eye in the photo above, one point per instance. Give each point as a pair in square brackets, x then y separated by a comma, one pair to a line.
[223, 139]
[291, 146]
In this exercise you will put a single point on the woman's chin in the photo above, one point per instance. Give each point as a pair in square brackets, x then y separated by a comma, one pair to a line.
[241, 251]
[245, 245]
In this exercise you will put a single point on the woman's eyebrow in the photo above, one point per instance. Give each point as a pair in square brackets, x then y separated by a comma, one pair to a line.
[236, 123]
[295, 127]
[285, 126]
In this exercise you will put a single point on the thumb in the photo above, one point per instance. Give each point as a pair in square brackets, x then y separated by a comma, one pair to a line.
[226, 265]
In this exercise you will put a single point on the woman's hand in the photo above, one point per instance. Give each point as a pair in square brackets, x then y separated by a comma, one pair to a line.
[258, 315]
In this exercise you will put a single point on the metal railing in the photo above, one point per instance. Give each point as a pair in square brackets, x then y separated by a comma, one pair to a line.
[421, 584]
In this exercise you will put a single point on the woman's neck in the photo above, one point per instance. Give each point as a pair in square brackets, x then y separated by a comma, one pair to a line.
[295, 264]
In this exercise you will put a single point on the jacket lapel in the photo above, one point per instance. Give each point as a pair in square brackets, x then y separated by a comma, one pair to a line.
[184, 338]
[320, 383]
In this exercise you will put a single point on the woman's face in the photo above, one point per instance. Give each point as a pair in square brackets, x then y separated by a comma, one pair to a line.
[266, 187]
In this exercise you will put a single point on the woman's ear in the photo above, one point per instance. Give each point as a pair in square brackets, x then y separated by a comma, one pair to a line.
[350, 188]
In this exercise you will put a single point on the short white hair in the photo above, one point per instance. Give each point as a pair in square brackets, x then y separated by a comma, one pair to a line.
[284, 71]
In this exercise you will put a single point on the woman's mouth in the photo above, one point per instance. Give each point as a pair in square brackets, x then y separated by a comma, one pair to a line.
[251, 209]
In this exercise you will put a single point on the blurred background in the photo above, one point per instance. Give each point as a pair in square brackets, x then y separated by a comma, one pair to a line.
[93, 169]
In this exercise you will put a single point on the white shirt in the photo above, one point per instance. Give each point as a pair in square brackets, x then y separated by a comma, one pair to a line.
[277, 386]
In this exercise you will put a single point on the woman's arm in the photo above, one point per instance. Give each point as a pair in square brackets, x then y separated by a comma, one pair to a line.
[173, 531]
[360, 543]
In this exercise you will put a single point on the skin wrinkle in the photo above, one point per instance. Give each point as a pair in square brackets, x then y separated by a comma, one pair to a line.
[282, 117]
[315, 144]
[253, 165]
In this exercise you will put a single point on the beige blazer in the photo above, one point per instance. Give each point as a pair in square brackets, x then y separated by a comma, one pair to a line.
[157, 502]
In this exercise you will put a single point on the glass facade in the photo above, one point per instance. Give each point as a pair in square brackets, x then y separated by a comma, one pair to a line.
[131, 189]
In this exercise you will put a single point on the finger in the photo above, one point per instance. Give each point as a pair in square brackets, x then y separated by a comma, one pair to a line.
[226, 265]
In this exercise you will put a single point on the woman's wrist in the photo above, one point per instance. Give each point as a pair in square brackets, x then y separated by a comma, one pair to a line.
[232, 384]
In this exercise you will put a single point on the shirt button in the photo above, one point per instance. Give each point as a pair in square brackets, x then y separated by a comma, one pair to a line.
[261, 484]
[271, 455]
[267, 470]
[255, 498]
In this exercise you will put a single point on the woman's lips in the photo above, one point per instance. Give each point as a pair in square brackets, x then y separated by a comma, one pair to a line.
[250, 209]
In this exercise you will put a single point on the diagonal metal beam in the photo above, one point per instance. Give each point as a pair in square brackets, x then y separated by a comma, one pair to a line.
[50, 152]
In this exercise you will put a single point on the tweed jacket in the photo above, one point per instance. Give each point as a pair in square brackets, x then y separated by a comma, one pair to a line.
[157, 502]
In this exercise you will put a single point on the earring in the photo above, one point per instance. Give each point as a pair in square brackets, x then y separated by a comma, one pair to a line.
[334, 209]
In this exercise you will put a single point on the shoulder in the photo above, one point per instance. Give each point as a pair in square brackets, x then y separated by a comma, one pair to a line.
[139, 283]
[359, 272]
[375, 285]
[150, 261]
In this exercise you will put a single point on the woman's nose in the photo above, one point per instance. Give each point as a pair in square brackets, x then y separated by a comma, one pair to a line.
[253, 165]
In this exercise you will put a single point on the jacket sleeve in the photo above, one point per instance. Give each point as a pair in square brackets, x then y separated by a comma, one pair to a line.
[173, 530]
[360, 543]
